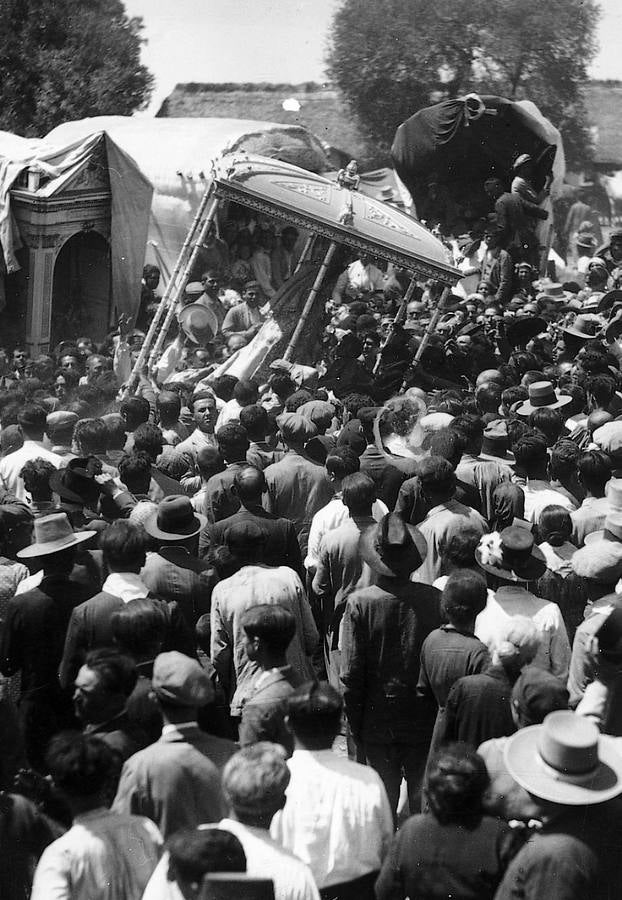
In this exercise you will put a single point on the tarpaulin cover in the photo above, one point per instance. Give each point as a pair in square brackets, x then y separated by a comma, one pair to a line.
[460, 143]
[58, 162]
[176, 155]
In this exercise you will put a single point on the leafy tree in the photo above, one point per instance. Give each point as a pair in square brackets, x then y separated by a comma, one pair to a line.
[392, 57]
[68, 59]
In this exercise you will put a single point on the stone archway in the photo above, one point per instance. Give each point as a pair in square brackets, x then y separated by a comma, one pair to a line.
[81, 288]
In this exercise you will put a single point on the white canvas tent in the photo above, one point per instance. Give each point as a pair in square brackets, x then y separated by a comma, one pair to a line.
[176, 156]
[51, 191]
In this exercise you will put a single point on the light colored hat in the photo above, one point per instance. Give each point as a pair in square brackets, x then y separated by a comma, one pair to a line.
[435, 421]
[198, 323]
[609, 438]
[542, 393]
[600, 559]
[194, 289]
[53, 533]
[555, 293]
[565, 760]
[586, 327]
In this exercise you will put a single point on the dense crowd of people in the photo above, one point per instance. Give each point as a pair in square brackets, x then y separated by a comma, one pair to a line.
[343, 630]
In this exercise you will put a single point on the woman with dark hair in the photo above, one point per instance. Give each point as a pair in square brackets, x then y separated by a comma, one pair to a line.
[454, 850]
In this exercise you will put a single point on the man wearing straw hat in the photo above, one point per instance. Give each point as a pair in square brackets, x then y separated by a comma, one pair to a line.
[34, 630]
[575, 774]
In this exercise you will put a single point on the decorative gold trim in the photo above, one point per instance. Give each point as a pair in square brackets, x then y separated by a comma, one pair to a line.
[229, 191]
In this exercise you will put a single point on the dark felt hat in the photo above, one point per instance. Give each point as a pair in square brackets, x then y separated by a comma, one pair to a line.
[75, 483]
[174, 519]
[392, 547]
[524, 329]
[514, 557]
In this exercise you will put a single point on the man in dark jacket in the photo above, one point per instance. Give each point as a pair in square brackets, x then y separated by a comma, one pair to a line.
[90, 625]
[383, 629]
[297, 486]
[386, 477]
[281, 546]
[34, 632]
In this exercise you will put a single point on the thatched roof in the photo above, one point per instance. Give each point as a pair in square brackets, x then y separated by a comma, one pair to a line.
[322, 111]
[327, 115]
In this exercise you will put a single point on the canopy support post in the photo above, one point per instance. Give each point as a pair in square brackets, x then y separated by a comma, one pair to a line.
[425, 340]
[400, 318]
[172, 309]
[174, 289]
[317, 284]
[306, 252]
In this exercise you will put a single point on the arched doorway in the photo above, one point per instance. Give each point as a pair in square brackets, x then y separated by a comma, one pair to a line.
[81, 288]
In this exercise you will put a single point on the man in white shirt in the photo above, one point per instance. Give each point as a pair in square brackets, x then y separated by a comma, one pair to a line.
[254, 782]
[32, 420]
[104, 854]
[204, 410]
[340, 463]
[255, 583]
[360, 278]
[337, 816]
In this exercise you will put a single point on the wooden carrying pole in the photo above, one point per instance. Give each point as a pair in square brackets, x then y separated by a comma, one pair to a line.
[172, 309]
[425, 340]
[168, 301]
[317, 284]
[400, 318]
[306, 251]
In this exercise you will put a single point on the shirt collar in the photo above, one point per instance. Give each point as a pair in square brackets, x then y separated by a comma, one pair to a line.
[171, 729]
[126, 585]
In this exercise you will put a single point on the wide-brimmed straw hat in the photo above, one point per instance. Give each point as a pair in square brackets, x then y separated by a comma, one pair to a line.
[586, 327]
[541, 394]
[392, 547]
[52, 534]
[565, 760]
[554, 292]
[174, 519]
[198, 323]
[511, 555]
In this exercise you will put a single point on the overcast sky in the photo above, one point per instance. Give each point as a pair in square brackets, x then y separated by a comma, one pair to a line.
[273, 40]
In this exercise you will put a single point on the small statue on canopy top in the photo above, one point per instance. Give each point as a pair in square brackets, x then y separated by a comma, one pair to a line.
[349, 177]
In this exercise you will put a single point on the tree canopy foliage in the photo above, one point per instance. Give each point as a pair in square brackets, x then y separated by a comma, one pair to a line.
[390, 58]
[68, 59]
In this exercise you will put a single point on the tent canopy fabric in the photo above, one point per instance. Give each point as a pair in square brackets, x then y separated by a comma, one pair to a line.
[58, 162]
[319, 205]
[176, 156]
[460, 143]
